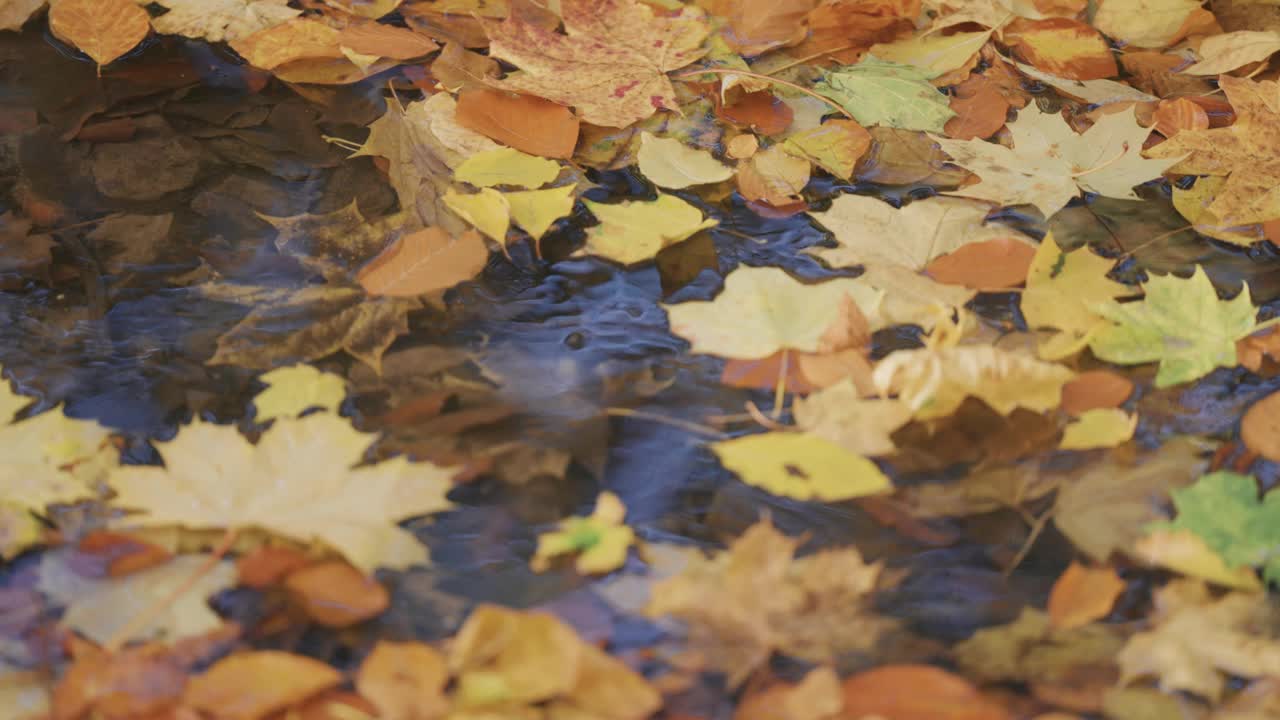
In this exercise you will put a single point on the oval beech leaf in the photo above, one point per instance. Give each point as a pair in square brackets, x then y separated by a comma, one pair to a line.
[1260, 428]
[994, 264]
[527, 123]
[423, 262]
[916, 692]
[103, 29]
[1083, 594]
[337, 595]
[252, 685]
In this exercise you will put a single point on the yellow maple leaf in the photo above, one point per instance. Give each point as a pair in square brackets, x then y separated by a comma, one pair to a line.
[297, 482]
[801, 466]
[933, 382]
[291, 390]
[1062, 291]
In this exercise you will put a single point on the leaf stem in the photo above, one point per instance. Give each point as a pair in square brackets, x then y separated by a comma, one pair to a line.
[766, 78]
[140, 621]
[674, 422]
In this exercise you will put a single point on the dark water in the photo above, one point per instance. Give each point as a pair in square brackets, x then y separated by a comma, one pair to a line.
[114, 332]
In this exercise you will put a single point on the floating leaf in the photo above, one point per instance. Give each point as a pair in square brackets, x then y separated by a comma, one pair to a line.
[600, 540]
[506, 166]
[295, 389]
[671, 164]
[801, 466]
[877, 92]
[1099, 428]
[424, 262]
[633, 231]
[103, 29]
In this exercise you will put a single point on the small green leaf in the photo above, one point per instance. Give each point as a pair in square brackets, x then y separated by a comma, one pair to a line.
[1223, 509]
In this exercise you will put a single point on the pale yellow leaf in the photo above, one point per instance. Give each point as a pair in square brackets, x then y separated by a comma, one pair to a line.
[671, 164]
[292, 390]
[1099, 428]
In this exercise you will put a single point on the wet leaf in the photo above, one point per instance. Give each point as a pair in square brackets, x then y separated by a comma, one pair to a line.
[1083, 594]
[936, 54]
[221, 20]
[296, 482]
[755, 26]
[835, 146]
[524, 122]
[600, 540]
[916, 692]
[1224, 510]
[1187, 553]
[336, 595]
[15, 14]
[1063, 292]
[861, 426]
[103, 29]
[1228, 51]
[535, 211]
[635, 230]
[671, 164]
[404, 680]
[295, 389]
[613, 82]
[1145, 23]
[816, 697]
[506, 166]
[800, 466]
[424, 262]
[1049, 163]
[1181, 323]
[934, 382]
[773, 176]
[756, 597]
[1031, 649]
[1099, 428]
[253, 685]
[1063, 47]
[1095, 389]
[877, 92]
[989, 265]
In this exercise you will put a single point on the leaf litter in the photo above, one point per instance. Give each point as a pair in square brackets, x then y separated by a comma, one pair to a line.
[638, 358]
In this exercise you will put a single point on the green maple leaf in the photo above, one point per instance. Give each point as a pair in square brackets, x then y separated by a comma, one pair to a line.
[1180, 323]
[1223, 509]
[877, 92]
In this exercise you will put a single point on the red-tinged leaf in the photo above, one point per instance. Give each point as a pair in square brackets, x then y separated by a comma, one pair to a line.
[252, 685]
[524, 122]
[760, 112]
[987, 265]
[916, 692]
[1095, 390]
[334, 594]
[423, 262]
[1083, 594]
[1063, 47]
[122, 554]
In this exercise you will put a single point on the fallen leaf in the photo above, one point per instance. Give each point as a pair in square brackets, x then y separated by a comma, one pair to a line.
[268, 565]
[773, 176]
[1098, 428]
[424, 262]
[835, 146]
[1049, 163]
[669, 163]
[841, 416]
[253, 685]
[1181, 323]
[1032, 650]
[877, 92]
[299, 39]
[1226, 52]
[980, 109]
[1173, 116]
[1223, 509]
[1082, 594]
[336, 595]
[295, 389]
[524, 122]
[935, 53]
[988, 265]
[1095, 390]
[633, 231]
[221, 20]
[1145, 23]
[296, 482]
[506, 166]
[1094, 92]
[1174, 651]
[916, 692]
[1185, 552]
[1108, 507]
[15, 14]
[600, 540]
[103, 29]
[757, 26]
[757, 597]
[610, 65]
[842, 30]
[535, 211]
[776, 312]
[1061, 46]
[800, 466]
[1063, 292]
[934, 382]
[488, 211]
[761, 112]
[405, 681]
[1242, 152]
[372, 9]
[816, 697]
[100, 609]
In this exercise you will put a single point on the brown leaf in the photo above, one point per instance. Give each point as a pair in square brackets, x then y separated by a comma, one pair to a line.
[121, 553]
[461, 26]
[841, 30]
[267, 566]
[816, 697]
[427, 261]
[1260, 427]
[980, 109]
[1172, 116]
[1083, 594]
[1063, 47]
[252, 685]
[337, 595]
[761, 112]
[988, 265]
[298, 39]
[756, 26]
[1252, 350]
[457, 68]
[527, 123]
[404, 680]
[1094, 390]
[773, 176]
[103, 29]
[388, 41]
[916, 692]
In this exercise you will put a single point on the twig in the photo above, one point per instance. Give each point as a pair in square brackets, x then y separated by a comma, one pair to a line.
[140, 621]
[775, 81]
[780, 392]
[765, 421]
[674, 422]
[1030, 542]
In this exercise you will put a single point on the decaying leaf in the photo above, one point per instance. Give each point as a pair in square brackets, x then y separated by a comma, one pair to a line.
[756, 597]
[611, 63]
[296, 482]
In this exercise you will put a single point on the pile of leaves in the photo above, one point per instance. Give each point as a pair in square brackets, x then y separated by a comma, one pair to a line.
[1033, 332]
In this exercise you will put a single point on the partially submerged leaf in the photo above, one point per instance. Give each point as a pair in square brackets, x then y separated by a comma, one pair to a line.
[295, 389]
[103, 29]
[427, 261]
[600, 540]
[296, 482]
[253, 685]
[633, 231]
[933, 382]
[221, 20]
[506, 166]
[1224, 510]
[801, 466]
[1063, 292]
